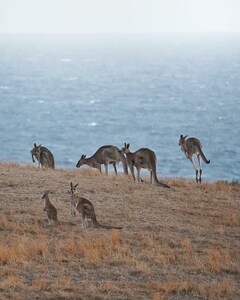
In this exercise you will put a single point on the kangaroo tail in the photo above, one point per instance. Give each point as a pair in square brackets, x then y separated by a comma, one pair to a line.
[108, 227]
[155, 179]
[95, 222]
[98, 225]
[160, 184]
[203, 156]
[53, 164]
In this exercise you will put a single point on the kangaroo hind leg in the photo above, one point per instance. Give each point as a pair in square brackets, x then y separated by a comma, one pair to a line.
[106, 168]
[195, 168]
[84, 220]
[151, 176]
[138, 174]
[200, 169]
[115, 168]
[132, 170]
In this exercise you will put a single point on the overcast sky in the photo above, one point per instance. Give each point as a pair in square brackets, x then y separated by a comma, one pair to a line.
[118, 16]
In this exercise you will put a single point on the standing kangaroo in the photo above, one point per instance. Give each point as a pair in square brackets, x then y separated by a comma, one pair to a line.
[44, 156]
[86, 208]
[190, 147]
[104, 155]
[49, 208]
[142, 158]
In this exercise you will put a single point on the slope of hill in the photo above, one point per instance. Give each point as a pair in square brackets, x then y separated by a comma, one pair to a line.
[178, 243]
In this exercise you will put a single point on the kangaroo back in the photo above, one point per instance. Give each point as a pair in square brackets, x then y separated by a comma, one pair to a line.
[113, 154]
[49, 208]
[107, 154]
[47, 158]
[43, 155]
[86, 208]
[142, 158]
[192, 146]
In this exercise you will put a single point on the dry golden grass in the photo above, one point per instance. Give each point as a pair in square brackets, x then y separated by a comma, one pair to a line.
[178, 243]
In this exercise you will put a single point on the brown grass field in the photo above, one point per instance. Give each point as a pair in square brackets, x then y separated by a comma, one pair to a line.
[178, 243]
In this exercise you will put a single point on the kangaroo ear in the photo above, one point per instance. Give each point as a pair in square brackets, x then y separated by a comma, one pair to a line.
[76, 185]
[35, 145]
[181, 136]
[82, 156]
[185, 136]
[128, 145]
[71, 184]
[125, 145]
[85, 156]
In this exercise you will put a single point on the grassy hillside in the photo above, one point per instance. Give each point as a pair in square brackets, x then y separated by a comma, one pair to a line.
[178, 243]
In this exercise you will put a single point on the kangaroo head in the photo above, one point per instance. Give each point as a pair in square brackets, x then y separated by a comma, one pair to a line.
[73, 188]
[125, 149]
[36, 150]
[182, 139]
[81, 161]
[46, 193]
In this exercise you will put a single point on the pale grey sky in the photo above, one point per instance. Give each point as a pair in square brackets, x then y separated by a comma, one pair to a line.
[118, 16]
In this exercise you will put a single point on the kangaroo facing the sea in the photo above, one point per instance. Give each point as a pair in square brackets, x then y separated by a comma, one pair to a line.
[86, 208]
[142, 158]
[44, 156]
[190, 147]
[49, 208]
[104, 155]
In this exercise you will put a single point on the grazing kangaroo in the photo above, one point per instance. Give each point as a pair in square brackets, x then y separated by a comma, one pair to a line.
[104, 155]
[190, 147]
[49, 208]
[142, 158]
[44, 156]
[86, 208]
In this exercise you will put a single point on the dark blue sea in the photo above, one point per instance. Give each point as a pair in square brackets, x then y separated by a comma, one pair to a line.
[75, 93]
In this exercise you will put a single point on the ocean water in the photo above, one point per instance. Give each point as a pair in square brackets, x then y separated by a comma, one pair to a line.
[76, 93]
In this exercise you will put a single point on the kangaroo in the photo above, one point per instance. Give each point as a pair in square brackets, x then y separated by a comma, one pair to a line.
[104, 155]
[86, 208]
[190, 147]
[142, 158]
[49, 208]
[44, 156]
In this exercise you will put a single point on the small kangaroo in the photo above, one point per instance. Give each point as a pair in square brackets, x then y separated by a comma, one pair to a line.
[44, 156]
[190, 147]
[142, 158]
[49, 208]
[86, 208]
[104, 155]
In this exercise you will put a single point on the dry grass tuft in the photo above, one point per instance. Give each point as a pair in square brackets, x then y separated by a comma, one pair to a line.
[11, 282]
[90, 172]
[225, 186]
[5, 254]
[11, 164]
[218, 259]
[222, 288]
[102, 248]
[213, 290]
[22, 250]
[231, 218]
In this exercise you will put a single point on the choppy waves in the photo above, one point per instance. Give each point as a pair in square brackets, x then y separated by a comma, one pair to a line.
[144, 92]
